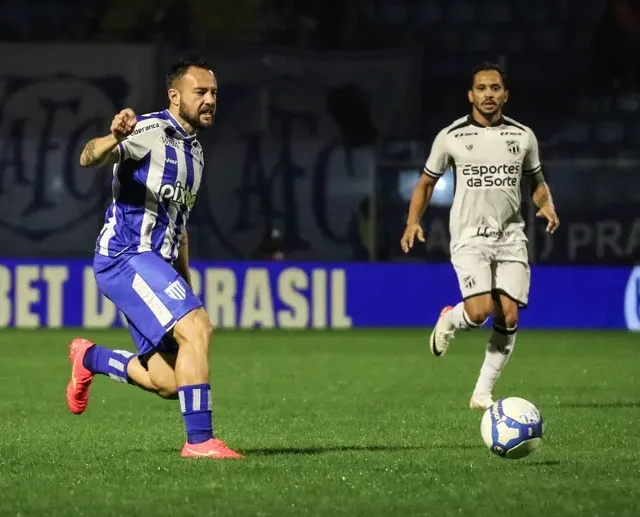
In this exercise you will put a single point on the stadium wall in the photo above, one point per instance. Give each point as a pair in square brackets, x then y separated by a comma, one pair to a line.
[62, 293]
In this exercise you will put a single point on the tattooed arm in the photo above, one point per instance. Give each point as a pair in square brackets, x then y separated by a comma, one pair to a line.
[103, 150]
[100, 151]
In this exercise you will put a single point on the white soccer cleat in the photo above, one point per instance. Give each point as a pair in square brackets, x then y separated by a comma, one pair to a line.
[441, 335]
[482, 401]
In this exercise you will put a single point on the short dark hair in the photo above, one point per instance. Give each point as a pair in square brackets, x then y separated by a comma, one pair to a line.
[179, 68]
[486, 67]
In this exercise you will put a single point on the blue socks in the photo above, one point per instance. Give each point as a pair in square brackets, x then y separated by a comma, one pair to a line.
[104, 361]
[195, 400]
[196, 408]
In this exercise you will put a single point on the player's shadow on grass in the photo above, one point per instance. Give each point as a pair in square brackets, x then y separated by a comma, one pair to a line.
[331, 448]
[353, 448]
[600, 405]
[543, 463]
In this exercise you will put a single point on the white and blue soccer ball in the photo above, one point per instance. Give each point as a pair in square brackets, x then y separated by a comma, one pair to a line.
[512, 428]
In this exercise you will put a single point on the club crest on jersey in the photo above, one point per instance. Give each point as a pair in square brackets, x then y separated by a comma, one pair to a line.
[513, 146]
[178, 194]
[469, 282]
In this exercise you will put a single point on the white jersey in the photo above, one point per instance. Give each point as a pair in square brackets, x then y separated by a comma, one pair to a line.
[155, 184]
[488, 163]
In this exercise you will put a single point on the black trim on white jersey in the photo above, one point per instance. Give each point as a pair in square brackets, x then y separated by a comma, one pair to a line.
[462, 124]
[532, 172]
[511, 123]
[473, 122]
[431, 173]
[502, 121]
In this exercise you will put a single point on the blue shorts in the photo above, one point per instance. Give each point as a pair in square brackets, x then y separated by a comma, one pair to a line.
[150, 293]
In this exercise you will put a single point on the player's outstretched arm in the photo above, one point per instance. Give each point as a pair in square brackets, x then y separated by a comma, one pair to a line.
[543, 200]
[104, 150]
[182, 262]
[420, 198]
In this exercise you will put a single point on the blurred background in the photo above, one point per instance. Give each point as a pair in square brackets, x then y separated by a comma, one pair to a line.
[326, 113]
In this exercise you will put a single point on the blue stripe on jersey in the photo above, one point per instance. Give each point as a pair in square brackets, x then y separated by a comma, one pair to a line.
[129, 209]
[163, 220]
[137, 186]
[181, 219]
[158, 114]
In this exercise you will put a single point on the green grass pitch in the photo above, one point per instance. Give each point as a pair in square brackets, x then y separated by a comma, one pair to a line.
[355, 423]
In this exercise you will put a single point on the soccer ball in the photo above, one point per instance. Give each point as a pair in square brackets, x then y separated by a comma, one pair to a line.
[512, 428]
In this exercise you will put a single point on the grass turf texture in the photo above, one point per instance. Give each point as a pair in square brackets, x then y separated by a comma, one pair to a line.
[336, 424]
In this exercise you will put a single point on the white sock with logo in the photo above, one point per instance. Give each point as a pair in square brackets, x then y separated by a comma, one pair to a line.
[499, 349]
[460, 320]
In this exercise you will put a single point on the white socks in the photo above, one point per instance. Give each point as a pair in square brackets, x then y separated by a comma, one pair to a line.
[499, 349]
[459, 319]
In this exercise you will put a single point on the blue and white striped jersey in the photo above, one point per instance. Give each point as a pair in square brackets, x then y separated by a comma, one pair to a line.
[155, 184]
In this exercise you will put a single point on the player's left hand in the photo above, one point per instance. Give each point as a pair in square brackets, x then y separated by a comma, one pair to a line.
[548, 212]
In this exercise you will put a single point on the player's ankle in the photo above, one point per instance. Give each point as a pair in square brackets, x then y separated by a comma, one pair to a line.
[194, 438]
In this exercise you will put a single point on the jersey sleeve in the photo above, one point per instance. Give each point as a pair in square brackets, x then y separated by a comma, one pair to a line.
[138, 144]
[531, 164]
[439, 157]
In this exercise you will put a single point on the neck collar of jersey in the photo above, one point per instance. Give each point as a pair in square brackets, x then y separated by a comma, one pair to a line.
[178, 127]
[474, 122]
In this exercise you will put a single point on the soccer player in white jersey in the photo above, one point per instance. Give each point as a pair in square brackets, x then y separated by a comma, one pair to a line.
[141, 261]
[489, 153]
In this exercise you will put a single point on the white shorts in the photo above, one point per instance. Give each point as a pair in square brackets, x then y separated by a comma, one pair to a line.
[488, 267]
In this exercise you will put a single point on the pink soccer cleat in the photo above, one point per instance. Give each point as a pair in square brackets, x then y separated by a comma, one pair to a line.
[213, 448]
[78, 387]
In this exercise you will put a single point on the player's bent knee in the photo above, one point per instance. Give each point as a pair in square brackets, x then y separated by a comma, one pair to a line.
[478, 309]
[511, 320]
[165, 385]
[510, 315]
[169, 393]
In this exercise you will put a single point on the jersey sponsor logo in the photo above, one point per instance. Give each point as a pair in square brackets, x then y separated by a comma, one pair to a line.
[513, 146]
[167, 140]
[485, 231]
[459, 135]
[178, 194]
[487, 176]
[510, 133]
[145, 129]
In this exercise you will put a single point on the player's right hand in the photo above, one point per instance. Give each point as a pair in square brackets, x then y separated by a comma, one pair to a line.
[123, 124]
[409, 235]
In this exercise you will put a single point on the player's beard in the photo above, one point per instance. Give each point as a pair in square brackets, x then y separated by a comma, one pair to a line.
[491, 112]
[193, 118]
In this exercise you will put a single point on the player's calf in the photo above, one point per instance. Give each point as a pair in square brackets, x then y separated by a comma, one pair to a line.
[161, 371]
[499, 349]
[193, 332]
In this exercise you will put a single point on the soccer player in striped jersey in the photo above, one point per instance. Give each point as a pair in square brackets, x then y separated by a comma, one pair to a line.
[490, 154]
[141, 260]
